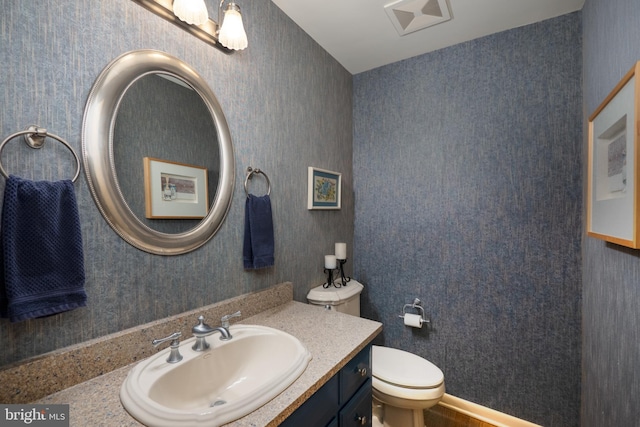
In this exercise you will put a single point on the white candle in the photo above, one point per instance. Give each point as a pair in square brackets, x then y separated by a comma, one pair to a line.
[341, 250]
[329, 261]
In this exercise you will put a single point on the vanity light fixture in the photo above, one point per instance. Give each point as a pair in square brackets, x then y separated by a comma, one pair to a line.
[191, 11]
[227, 34]
[232, 33]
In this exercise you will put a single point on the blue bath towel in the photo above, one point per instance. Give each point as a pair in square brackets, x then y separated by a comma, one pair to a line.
[258, 247]
[42, 268]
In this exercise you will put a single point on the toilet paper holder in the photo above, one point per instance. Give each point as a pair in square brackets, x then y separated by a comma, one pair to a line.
[415, 306]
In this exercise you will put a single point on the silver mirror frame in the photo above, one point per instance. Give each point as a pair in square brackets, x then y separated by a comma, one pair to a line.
[98, 159]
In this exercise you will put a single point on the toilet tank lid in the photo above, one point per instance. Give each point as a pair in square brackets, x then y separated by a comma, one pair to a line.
[333, 295]
[404, 369]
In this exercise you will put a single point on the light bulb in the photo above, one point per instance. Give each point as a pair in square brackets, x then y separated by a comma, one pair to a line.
[191, 11]
[232, 33]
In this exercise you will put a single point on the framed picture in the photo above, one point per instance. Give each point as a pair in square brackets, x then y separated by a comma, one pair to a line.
[613, 176]
[174, 190]
[325, 189]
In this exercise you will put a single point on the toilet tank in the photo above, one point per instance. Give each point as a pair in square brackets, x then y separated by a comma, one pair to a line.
[345, 299]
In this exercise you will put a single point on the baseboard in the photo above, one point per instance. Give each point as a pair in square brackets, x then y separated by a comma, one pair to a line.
[483, 413]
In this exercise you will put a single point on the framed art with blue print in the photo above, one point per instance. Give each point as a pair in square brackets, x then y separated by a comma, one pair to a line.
[325, 189]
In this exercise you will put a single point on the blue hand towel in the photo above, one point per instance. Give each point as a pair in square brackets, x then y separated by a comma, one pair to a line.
[258, 248]
[42, 268]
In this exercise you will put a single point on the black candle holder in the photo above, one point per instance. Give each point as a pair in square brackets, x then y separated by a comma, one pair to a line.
[345, 279]
[330, 280]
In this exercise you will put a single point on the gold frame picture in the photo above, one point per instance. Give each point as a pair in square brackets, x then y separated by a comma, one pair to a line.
[614, 157]
[174, 190]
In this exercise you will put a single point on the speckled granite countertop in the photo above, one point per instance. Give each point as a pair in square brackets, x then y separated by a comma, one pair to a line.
[332, 338]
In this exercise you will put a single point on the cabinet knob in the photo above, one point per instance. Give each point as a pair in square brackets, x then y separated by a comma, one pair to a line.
[362, 420]
[362, 371]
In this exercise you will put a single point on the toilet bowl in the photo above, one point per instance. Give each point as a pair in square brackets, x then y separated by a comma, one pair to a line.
[404, 384]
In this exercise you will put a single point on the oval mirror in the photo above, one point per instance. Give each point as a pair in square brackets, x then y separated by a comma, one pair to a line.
[122, 127]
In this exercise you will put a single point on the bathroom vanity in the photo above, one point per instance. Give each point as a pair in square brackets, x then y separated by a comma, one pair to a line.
[340, 368]
[344, 401]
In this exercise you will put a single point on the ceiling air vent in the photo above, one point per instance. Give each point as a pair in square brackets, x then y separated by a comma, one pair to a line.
[413, 15]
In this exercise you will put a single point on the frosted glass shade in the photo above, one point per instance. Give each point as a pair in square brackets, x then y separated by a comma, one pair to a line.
[232, 34]
[191, 11]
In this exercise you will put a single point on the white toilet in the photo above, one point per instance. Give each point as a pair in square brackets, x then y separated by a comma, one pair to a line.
[404, 384]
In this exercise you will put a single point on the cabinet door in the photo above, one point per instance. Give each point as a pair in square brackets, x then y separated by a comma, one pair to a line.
[357, 412]
[354, 374]
[319, 410]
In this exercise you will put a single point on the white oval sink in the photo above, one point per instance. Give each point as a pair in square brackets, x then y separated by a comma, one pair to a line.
[218, 385]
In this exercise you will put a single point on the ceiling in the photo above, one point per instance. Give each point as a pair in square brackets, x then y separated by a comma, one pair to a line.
[361, 35]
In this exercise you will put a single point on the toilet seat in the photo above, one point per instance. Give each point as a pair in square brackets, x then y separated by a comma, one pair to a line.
[405, 397]
[405, 375]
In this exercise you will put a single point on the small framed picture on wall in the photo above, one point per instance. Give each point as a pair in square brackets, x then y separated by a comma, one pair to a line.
[174, 190]
[612, 184]
[325, 189]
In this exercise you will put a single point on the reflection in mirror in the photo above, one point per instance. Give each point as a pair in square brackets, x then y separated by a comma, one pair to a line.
[162, 117]
[133, 113]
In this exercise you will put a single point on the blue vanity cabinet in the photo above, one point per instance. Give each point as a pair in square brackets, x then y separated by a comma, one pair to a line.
[357, 411]
[355, 391]
[344, 401]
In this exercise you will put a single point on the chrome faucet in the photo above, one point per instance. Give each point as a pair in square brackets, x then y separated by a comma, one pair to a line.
[202, 330]
[174, 355]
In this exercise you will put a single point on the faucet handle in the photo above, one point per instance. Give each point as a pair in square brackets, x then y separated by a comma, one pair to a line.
[174, 355]
[225, 319]
[174, 338]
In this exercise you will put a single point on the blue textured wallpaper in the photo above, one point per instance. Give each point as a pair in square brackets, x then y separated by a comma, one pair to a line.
[467, 176]
[611, 273]
[288, 104]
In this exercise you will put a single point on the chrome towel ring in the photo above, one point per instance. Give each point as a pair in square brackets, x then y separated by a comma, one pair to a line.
[34, 137]
[250, 172]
